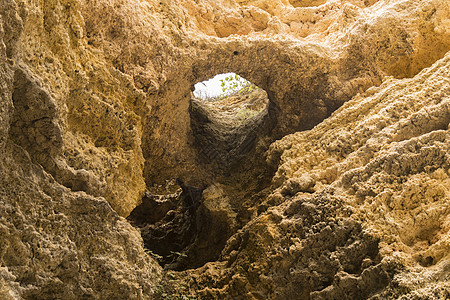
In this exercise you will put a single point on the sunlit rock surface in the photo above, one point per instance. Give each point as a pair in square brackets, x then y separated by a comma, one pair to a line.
[351, 199]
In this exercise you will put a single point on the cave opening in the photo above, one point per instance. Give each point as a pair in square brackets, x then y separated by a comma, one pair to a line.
[228, 114]
[184, 226]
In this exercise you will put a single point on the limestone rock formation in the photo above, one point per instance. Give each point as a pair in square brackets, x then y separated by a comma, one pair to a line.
[362, 204]
[226, 130]
[344, 194]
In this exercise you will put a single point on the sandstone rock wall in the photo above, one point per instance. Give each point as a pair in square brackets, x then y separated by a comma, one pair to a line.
[94, 108]
[362, 206]
[61, 156]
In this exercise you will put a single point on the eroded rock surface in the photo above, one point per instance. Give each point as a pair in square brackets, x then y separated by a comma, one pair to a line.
[94, 111]
[229, 132]
[361, 208]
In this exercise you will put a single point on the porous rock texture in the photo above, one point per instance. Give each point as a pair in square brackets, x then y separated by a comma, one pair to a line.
[95, 98]
[225, 130]
[360, 205]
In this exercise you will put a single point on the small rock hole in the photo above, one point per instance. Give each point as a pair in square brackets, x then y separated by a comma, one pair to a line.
[228, 116]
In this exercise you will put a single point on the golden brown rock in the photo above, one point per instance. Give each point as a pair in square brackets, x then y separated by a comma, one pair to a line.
[95, 99]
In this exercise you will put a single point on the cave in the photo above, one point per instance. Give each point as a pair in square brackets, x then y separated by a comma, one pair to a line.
[118, 180]
[227, 126]
[230, 130]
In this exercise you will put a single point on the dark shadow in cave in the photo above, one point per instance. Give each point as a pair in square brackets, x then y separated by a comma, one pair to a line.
[168, 224]
[230, 133]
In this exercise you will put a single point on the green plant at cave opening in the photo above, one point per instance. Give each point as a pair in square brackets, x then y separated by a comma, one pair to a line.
[176, 256]
[235, 84]
[223, 86]
[155, 256]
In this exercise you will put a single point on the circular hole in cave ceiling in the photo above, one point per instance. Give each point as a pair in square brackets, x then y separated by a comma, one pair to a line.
[229, 116]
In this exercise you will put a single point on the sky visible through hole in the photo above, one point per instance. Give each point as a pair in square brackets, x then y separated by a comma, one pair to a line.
[210, 88]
